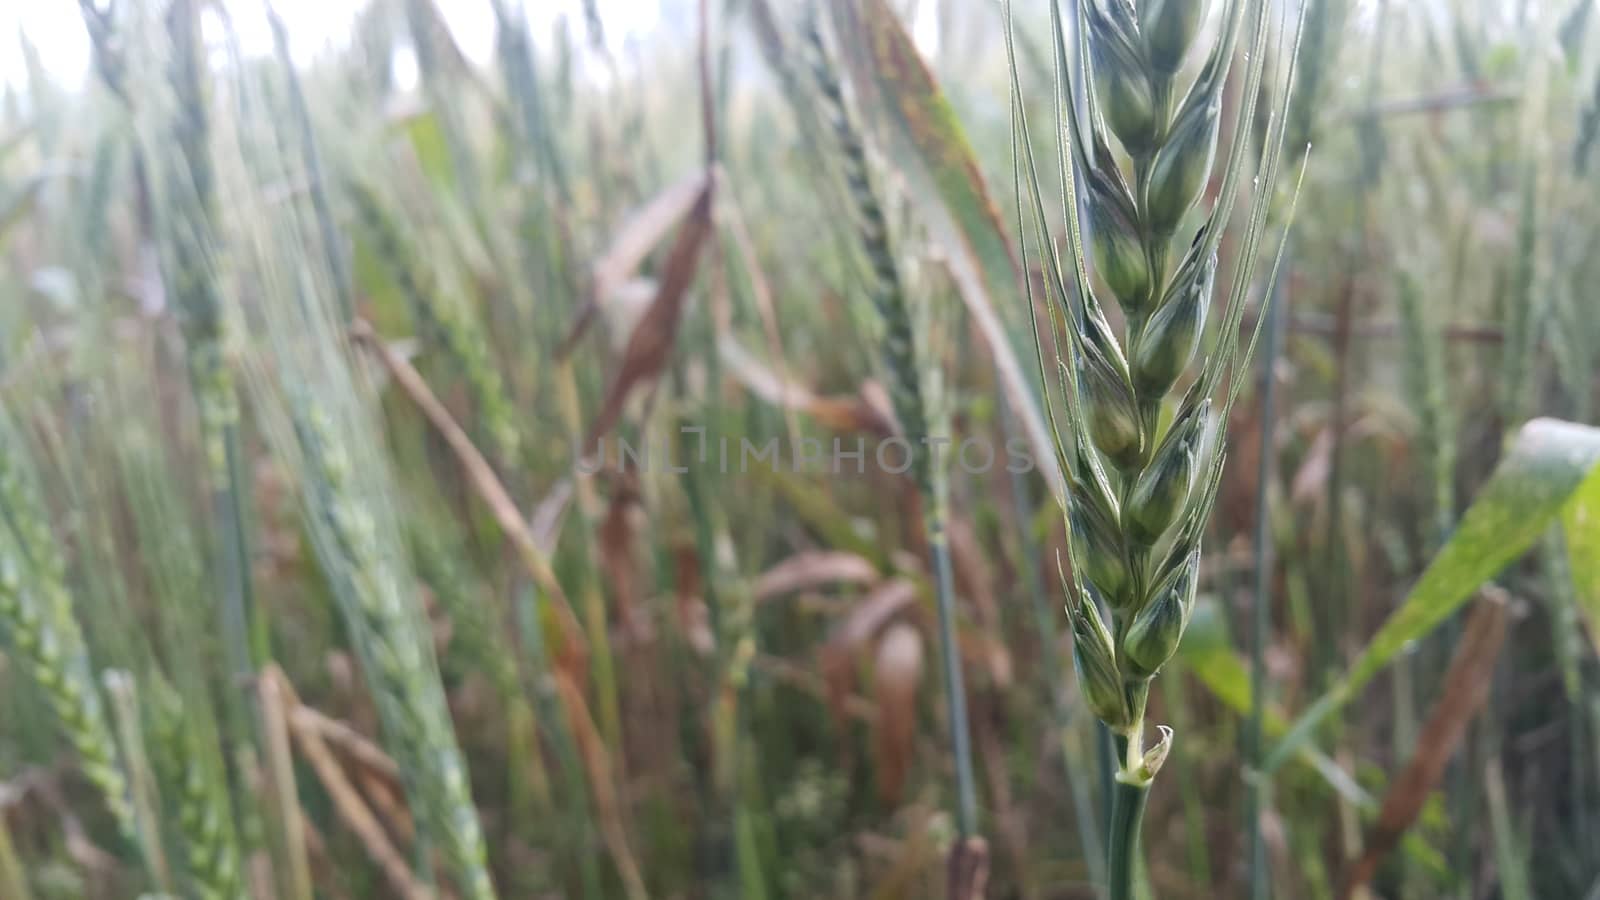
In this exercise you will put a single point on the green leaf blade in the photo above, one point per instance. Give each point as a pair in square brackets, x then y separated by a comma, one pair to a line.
[1581, 525]
[1551, 466]
[1546, 465]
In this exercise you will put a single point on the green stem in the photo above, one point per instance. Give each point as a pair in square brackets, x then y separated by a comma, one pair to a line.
[576, 831]
[1260, 608]
[1127, 816]
[316, 183]
[1188, 789]
[12, 881]
[1054, 671]
[146, 810]
[248, 638]
[603, 669]
[1105, 750]
[955, 689]
[746, 814]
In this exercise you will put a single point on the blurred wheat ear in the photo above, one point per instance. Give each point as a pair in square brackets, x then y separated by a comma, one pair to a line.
[316, 406]
[43, 632]
[913, 375]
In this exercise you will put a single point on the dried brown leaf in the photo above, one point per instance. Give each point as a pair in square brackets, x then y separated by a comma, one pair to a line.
[896, 673]
[837, 657]
[814, 569]
[1466, 687]
[549, 514]
[1311, 479]
[618, 557]
[651, 343]
[347, 801]
[875, 610]
[597, 763]
[571, 650]
[640, 233]
[975, 581]
[868, 411]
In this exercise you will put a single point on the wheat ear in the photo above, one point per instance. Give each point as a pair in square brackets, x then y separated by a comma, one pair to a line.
[1140, 492]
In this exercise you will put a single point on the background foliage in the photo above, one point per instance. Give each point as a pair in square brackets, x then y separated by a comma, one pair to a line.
[308, 588]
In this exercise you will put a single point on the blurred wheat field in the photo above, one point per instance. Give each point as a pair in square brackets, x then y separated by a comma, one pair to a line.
[768, 453]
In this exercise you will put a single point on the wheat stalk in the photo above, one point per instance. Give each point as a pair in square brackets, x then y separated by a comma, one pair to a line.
[1140, 492]
[13, 881]
[164, 706]
[186, 231]
[124, 698]
[347, 800]
[912, 374]
[316, 407]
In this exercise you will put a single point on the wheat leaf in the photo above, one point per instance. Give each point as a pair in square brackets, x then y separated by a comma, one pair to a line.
[1550, 466]
[1581, 523]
